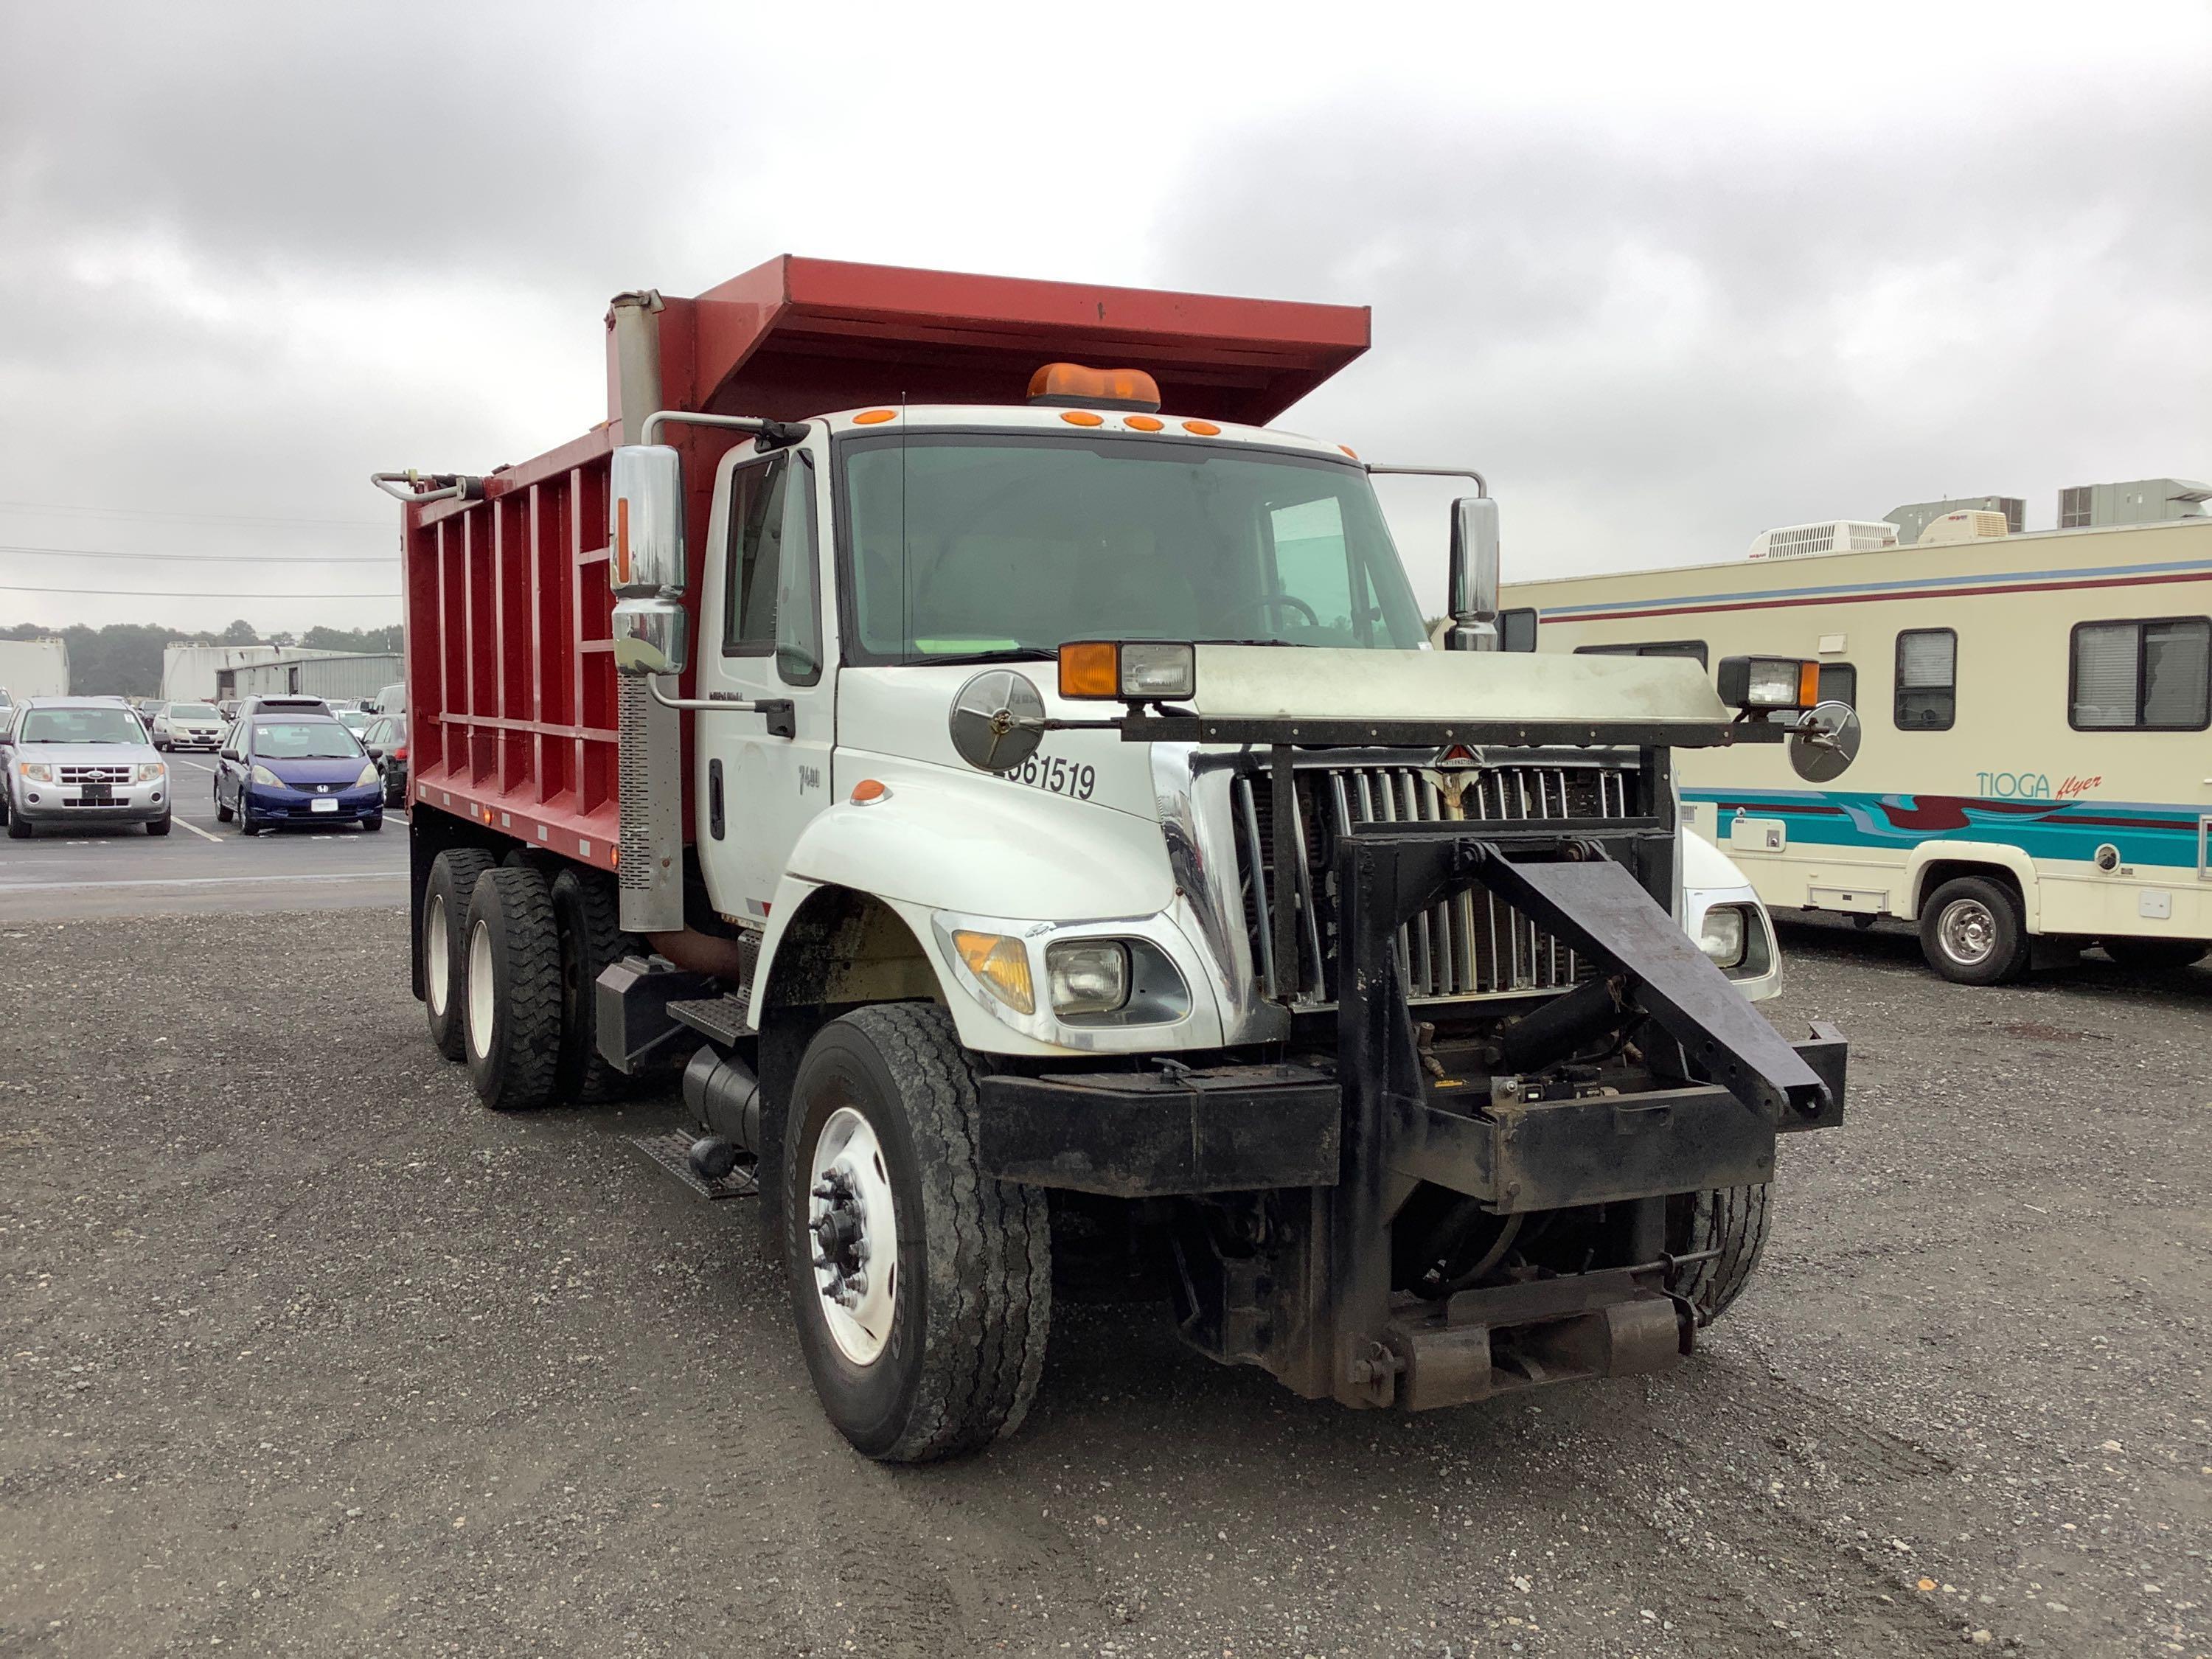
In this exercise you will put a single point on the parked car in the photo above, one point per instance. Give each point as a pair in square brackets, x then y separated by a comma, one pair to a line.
[291, 705]
[80, 760]
[389, 700]
[188, 726]
[386, 743]
[353, 720]
[227, 708]
[296, 766]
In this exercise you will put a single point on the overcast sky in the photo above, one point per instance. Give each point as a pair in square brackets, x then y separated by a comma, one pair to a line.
[1670, 276]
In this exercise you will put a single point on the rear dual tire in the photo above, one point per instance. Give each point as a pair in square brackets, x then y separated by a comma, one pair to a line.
[511, 990]
[453, 878]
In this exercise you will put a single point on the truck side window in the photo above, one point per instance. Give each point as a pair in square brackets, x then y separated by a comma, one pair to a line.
[1839, 683]
[1927, 679]
[772, 600]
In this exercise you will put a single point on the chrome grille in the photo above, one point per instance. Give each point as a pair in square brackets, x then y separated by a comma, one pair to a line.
[1472, 944]
[95, 775]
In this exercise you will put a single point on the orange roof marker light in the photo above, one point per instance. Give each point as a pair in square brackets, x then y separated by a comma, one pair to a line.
[874, 416]
[1144, 422]
[1203, 428]
[1082, 417]
[1067, 385]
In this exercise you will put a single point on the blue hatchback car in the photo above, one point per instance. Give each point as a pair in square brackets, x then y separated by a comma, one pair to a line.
[295, 767]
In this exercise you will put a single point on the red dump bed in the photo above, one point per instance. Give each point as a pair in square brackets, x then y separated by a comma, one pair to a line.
[510, 677]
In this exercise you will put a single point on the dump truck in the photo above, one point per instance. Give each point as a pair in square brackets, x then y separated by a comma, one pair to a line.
[940, 719]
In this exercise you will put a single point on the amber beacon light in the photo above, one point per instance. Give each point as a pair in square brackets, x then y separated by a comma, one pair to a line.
[1071, 386]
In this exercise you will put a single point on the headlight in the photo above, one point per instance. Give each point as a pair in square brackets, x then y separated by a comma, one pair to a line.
[262, 775]
[367, 776]
[1001, 965]
[150, 770]
[1722, 937]
[1768, 682]
[38, 771]
[1087, 975]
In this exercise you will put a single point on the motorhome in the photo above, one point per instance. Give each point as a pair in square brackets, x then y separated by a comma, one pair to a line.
[2034, 770]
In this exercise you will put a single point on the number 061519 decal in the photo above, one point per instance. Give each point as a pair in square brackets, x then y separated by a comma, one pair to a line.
[1058, 775]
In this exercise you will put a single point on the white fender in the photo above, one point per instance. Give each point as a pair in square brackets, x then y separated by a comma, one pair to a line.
[1973, 852]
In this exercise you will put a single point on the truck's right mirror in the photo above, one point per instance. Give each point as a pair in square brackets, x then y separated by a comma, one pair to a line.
[1825, 742]
[1474, 598]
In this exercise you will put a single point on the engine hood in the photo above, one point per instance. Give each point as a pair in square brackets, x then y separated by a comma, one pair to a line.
[85, 754]
[1308, 683]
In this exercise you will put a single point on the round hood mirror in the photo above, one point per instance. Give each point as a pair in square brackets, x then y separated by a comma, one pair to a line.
[1824, 743]
[998, 720]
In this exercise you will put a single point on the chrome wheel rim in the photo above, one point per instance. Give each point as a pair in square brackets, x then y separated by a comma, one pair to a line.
[1969, 932]
[853, 1235]
[437, 951]
[479, 989]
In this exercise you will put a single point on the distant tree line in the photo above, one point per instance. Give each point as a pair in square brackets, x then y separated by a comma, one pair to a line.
[125, 657]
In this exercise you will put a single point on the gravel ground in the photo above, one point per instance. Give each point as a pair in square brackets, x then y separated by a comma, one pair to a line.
[306, 1353]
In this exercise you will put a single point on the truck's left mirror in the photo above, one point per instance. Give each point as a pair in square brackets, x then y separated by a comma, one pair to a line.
[645, 521]
[1473, 596]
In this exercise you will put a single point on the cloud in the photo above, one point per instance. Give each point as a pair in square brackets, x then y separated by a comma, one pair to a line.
[1667, 279]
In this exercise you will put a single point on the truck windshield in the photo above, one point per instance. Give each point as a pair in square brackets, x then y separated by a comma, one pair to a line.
[967, 545]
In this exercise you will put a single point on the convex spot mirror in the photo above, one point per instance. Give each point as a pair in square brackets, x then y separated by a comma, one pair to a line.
[1825, 742]
[998, 720]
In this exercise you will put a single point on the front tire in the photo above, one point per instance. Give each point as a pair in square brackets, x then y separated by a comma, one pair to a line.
[1731, 1219]
[159, 826]
[373, 823]
[453, 876]
[924, 1329]
[511, 994]
[222, 813]
[1973, 933]
[20, 828]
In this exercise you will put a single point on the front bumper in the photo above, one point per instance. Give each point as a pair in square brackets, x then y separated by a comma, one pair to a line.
[300, 805]
[51, 803]
[1237, 1128]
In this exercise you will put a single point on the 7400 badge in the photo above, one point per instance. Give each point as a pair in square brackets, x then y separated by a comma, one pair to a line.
[1058, 775]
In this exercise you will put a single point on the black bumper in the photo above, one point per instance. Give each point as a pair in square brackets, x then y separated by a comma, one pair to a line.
[1159, 1134]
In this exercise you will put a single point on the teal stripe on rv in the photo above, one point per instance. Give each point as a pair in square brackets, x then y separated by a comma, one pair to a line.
[2146, 833]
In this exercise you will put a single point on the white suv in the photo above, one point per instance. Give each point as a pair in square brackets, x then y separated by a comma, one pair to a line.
[81, 759]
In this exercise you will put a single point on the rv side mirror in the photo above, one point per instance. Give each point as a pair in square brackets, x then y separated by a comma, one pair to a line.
[1473, 600]
[645, 560]
[1516, 628]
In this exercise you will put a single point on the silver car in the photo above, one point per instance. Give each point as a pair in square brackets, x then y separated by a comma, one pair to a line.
[188, 726]
[81, 759]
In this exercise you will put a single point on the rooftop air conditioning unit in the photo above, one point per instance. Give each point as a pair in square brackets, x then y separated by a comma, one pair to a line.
[1799, 541]
[1969, 526]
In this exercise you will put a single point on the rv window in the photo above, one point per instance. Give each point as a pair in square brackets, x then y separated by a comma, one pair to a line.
[1927, 679]
[2142, 676]
[1839, 683]
[1693, 648]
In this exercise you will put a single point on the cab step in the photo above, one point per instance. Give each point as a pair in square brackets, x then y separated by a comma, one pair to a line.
[722, 1018]
[671, 1150]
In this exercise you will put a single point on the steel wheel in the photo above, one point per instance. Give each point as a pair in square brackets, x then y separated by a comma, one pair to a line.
[482, 992]
[437, 955]
[1969, 932]
[855, 1227]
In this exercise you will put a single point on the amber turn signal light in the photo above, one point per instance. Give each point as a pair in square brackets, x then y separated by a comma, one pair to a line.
[1091, 668]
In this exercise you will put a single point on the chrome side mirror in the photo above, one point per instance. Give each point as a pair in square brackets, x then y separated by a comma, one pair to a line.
[645, 560]
[997, 721]
[1825, 742]
[1473, 601]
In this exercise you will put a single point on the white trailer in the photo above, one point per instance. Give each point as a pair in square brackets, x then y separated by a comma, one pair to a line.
[34, 668]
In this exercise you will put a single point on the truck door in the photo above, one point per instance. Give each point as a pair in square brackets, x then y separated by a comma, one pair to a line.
[761, 777]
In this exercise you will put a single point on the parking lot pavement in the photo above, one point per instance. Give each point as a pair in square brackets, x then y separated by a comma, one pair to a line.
[200, 865]
[306, 1353]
